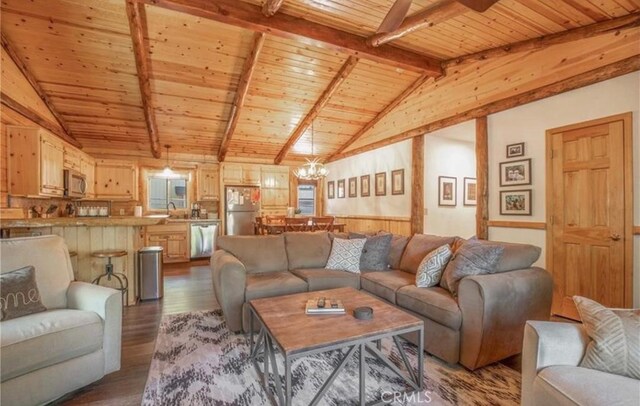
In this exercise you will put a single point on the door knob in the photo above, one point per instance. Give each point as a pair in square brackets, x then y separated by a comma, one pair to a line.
[615, 237]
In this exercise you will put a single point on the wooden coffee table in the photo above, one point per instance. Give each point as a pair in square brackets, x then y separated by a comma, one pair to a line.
[286, 328]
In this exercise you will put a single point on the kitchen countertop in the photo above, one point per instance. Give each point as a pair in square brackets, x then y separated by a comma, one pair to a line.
[127, 221]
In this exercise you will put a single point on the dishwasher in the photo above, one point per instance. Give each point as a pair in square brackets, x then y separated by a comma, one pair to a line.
[203, 239]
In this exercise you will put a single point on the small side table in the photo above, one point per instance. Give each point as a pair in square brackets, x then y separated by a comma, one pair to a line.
[120, 277]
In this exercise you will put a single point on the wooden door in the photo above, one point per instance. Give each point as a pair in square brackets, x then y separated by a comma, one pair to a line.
[589, 209]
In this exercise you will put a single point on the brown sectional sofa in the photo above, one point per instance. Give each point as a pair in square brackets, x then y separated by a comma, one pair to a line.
[483, 325]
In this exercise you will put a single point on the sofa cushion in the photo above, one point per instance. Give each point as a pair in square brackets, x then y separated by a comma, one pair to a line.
[471, 258]
[345, 254]
[265, 253]
[570, 385]
[271, 284]
[514, 256]
[398, 245]
[322, 278]
[418, 247]
[615, 338]
[42, 339]
[307, 250]
[19, 294]
[431, 268]
[385, 284]
[375, 253]
[435, 303]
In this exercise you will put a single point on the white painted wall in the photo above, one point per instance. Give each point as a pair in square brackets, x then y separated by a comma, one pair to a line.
[387, 159]
[529, 122]
[449, 152]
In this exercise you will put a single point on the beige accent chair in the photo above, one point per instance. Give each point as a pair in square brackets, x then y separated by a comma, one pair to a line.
[551, 375]
[46, 355]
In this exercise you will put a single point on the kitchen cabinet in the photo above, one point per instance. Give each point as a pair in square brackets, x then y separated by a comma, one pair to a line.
[275, 187]
[72, 158]
[241, 174]
[116, 180]
[251, 174]
[173, 238]
[88, 169]
[208, 186]
[36, 161]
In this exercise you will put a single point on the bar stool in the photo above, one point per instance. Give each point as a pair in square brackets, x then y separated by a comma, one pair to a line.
[120, 277]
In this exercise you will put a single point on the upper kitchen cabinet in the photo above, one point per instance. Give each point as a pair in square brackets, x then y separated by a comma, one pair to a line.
[88, 169]
[72, 158]
[208, 186]
[240, 174]
[36, 161]
[116, 180]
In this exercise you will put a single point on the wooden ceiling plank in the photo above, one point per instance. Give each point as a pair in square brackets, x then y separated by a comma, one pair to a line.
[245, 79]
[588, 31]
[600, 74]
[6, 44]
[394, 103]
[270, 7]
[250, 16]
[317, 107]
[137, 24]
[37, 118]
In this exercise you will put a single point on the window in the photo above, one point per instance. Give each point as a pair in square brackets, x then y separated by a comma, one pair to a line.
[163, 192]
[307, 199]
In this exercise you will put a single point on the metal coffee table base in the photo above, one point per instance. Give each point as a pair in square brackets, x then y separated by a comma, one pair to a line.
[263, 351]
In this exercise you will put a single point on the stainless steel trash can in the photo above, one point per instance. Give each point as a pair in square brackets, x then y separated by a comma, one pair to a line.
[150, 277]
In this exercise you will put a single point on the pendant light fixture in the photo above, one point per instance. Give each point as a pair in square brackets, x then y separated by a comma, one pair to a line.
[168, 172]
[313, 169]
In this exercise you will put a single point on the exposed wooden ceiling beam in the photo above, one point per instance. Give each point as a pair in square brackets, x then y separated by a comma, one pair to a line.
[137, 26]
[588, 31]
[438, 12]
[6, 44]
[37, 118]
[600, 74]
[270, 7]
[394, 103]
[243, 86]
[250, 16]
[346, 69]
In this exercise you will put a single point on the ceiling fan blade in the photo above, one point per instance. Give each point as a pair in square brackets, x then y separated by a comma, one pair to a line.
[478, 5]
[395, 16]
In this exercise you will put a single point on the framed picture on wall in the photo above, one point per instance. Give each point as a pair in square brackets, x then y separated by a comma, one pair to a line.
[515, 202]
[353, 187]
[341, 189]
[514, 173]
[381, 184]
[447, 186]
[365, 185]
[331, 189]
[515, 150]
[470, 194]
[397, 182]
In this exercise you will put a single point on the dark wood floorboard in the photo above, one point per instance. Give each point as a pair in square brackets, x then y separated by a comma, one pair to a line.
[187, 287]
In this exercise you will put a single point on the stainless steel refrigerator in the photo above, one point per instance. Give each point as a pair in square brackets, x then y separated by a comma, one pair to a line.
[242, 206]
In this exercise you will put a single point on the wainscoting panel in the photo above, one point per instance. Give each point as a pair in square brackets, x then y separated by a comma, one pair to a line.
[395, 225]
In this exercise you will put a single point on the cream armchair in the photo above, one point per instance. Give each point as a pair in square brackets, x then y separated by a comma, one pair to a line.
[46, 355]
[551, 375]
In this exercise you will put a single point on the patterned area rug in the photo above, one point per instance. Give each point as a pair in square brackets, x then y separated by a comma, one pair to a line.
[197, 361]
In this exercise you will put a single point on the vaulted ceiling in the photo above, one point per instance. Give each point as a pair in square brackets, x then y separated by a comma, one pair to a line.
[219, 78]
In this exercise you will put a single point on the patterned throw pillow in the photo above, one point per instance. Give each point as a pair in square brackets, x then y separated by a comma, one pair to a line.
[345, 254]
[472, 258]
[19, 294]
[375, 252]
[615, 335]
[430, 269]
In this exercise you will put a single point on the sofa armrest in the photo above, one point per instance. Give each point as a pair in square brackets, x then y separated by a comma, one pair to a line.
[549, 343]
[495, 308]
[107, 303]
[229, 283]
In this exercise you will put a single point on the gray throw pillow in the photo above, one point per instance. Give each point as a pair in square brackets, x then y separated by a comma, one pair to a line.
[615, 335]
[430, 269]
[19, 294]
[471, 258]
[375, 252]
[345, 255]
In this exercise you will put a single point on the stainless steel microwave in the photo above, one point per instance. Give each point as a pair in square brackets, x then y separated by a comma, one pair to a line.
[75, 183]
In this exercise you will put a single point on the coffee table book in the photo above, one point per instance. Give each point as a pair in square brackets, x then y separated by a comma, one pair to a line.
[313, 309]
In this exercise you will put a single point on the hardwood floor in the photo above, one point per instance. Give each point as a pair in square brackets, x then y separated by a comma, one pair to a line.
[187, 287]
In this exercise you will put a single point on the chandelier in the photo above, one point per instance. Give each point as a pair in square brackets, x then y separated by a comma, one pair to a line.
[313, 169]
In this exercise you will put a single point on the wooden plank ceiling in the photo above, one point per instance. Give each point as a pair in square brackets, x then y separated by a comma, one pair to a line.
[81, 54]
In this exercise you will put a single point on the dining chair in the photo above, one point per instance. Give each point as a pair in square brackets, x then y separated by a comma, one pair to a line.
[322, 223]
[296, 224]
[258, 228]
[277, 219]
